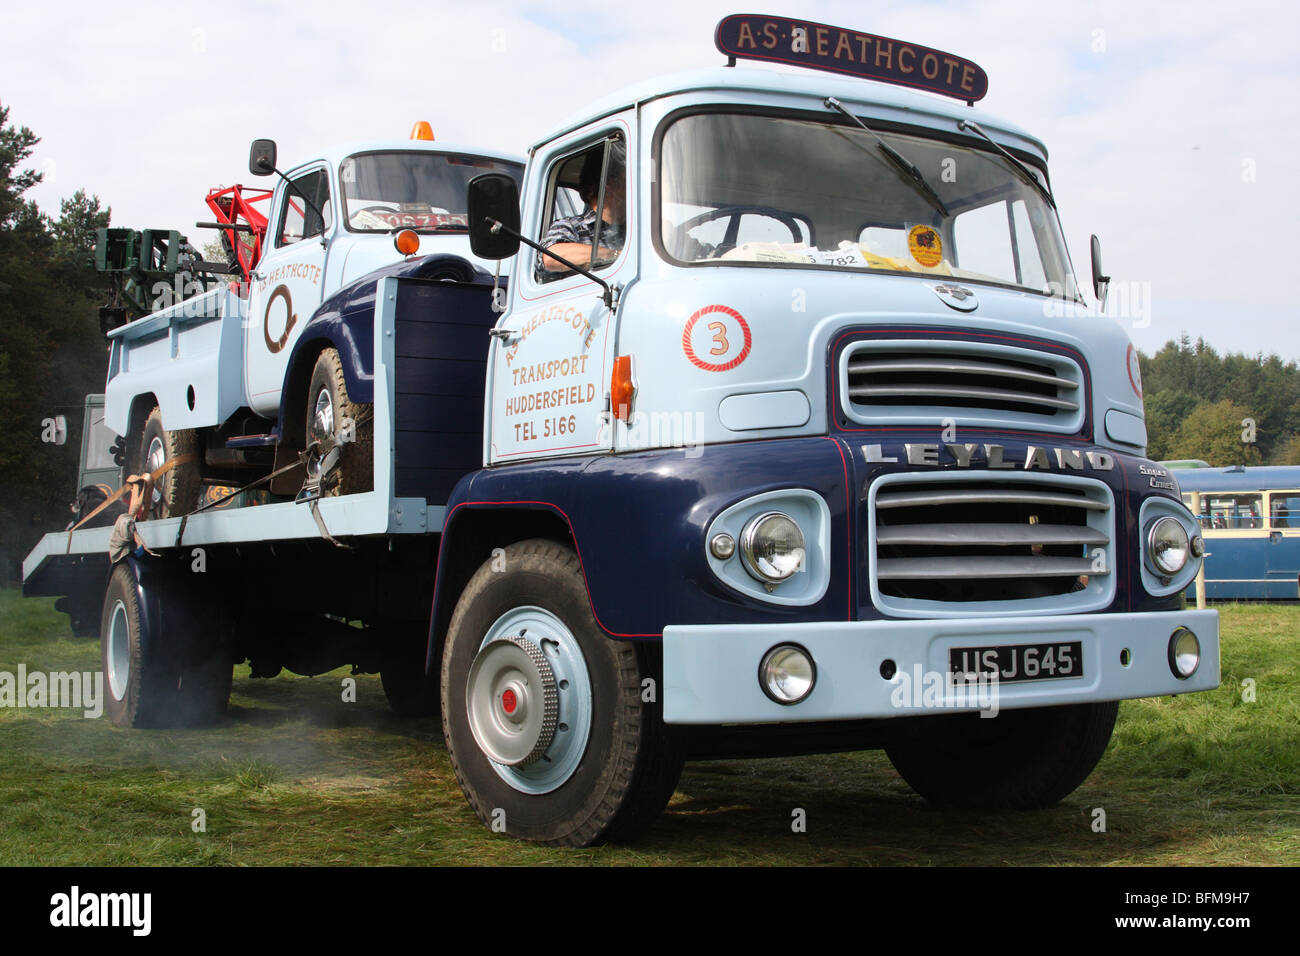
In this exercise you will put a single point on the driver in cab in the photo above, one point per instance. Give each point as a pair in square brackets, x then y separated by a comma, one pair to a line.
[571, 237]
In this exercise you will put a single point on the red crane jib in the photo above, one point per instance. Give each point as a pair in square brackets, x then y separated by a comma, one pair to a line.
[243, 225]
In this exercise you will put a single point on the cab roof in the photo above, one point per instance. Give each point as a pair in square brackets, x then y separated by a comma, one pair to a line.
[336, 154]
[736, 84]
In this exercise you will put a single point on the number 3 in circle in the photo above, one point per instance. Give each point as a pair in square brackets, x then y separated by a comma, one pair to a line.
[717, 338]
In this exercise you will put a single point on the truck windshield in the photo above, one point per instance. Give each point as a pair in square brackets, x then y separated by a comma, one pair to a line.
[416, 190]
[746, 189]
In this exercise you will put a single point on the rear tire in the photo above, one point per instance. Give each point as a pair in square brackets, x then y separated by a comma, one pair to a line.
[175, 493]
[140, 682]
[410, 691]
[203, 632]
[328, 405]
[1018, 760]
[543, 714]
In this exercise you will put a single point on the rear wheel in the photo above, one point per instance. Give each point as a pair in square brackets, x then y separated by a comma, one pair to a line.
[410, 691]
[176, 492]
[1018, 760]
[547, 722]
[329, 410]
[140, 682]
[203, 633]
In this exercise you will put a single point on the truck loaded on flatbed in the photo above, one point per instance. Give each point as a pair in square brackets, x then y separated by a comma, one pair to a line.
[788, 432]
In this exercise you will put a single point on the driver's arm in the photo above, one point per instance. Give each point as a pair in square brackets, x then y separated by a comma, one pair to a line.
[579, 253]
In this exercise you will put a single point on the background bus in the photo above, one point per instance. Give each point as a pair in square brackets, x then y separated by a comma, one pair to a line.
[1250, 518]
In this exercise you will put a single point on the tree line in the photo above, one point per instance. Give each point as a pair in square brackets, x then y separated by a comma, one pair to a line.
[51, 349]
[1224, 409]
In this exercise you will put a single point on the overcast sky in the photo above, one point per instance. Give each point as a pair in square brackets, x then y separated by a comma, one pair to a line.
[1173, 128]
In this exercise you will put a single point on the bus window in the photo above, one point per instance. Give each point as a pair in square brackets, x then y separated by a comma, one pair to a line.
[1232, 512]
[1285, 509]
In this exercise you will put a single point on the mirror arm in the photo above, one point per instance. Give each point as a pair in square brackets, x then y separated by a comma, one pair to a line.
[497, 226]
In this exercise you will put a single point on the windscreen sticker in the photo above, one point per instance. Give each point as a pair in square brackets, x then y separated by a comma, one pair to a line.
[723, 337]
[924, 245]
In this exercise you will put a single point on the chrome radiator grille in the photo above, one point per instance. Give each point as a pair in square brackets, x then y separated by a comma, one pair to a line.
[972, 382]
[973, 538]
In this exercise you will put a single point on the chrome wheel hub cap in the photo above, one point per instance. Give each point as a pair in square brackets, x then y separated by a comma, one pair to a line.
[528, 699]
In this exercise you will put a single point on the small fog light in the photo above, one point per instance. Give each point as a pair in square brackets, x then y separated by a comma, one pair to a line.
[1184, 653]
[787, 673]
[722, 546]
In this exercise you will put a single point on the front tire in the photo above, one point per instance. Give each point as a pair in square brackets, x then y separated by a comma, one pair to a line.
[175, 493]
[328, 407]
[546, 719]
[1019, 760]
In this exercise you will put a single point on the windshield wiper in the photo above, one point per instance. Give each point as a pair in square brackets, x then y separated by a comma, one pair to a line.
[896, 160]
[1024, 170]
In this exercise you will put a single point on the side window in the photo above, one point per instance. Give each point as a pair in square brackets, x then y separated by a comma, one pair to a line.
[298, 219]
[1232, 512]
[1285, 509]
[580, 183]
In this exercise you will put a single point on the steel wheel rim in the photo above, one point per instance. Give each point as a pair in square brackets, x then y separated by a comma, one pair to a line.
[154, 459]
[119, 651]
[322, 417]
[490, 674]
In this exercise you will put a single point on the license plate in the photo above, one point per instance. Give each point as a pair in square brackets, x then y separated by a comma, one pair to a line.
[1016, 662]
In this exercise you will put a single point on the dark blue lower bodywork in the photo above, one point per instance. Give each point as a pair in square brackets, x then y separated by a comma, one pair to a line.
[638, 523]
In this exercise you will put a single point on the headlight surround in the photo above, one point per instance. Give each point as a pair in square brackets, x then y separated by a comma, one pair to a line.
[1168, 546]
[772, 547]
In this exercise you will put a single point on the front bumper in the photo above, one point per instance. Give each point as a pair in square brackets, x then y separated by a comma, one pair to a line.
[711, 672]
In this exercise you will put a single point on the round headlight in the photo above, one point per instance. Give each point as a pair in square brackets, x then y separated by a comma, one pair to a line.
[787, 673]
[1184, 653]
[772, 547]
[1167, 545]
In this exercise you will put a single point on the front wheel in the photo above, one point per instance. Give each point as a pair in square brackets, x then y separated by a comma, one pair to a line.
[1019, 760]
[176, 492]
[554, 730]
[331, 413]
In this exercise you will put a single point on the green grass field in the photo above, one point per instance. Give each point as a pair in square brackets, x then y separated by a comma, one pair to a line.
[296, 776]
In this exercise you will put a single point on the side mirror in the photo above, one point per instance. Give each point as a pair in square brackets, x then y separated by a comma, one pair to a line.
[493, 198]
[1100, 283]
[261, 158]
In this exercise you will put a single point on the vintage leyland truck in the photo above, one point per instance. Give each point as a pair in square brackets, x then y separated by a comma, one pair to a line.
[800, 441]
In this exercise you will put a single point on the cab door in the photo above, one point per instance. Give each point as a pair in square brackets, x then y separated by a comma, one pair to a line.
[552, 359]
[287, 286]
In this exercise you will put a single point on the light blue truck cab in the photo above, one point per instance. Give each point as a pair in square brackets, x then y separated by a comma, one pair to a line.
[834, 453]
[224, 375]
